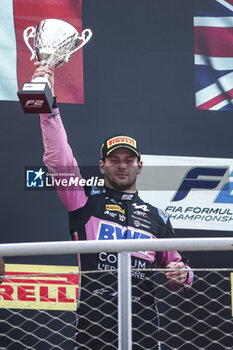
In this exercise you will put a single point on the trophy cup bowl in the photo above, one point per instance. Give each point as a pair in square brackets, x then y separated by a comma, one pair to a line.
[54, 41]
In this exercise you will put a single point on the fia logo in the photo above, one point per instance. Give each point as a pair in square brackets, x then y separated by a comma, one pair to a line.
[35, 178]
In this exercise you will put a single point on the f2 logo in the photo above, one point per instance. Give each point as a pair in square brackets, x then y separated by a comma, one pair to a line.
[191, 181]
[226, 194]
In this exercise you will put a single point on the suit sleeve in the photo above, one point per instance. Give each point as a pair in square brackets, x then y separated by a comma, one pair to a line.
[164, 258]
[59, 159]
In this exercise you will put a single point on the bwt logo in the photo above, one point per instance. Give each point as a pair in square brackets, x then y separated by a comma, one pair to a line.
[35, 178]
[108, 231]
[191, 181]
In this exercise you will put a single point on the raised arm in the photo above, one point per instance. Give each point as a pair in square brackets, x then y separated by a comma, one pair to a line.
[58, 156]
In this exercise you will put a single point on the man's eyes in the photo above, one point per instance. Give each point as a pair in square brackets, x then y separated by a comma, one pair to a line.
[116, 161]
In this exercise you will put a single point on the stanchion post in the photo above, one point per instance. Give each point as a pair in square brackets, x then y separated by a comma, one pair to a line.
[124, 302]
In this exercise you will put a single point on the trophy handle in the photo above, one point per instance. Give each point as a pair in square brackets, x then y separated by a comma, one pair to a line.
[84, 41]
[26, 37]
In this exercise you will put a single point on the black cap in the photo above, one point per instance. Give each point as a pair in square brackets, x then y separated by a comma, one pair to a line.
[119, 141]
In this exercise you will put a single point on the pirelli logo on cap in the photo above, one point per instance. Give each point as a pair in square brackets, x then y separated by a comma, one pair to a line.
[42, 287]
[121, 140]
[115, 207]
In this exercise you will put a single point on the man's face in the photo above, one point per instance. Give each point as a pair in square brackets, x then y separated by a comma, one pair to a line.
[120, 170]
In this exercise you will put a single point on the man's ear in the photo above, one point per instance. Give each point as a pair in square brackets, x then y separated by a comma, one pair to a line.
[140, 166]
[101, 164]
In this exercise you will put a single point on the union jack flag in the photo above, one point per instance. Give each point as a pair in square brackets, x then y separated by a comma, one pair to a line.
[213, 30]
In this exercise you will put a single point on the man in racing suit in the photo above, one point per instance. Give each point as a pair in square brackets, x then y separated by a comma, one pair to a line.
[115, 212]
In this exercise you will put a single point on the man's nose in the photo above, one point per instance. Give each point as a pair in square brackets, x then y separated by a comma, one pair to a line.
[122, 164]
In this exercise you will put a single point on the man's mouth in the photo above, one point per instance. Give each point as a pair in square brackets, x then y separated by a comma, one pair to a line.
[121, 174]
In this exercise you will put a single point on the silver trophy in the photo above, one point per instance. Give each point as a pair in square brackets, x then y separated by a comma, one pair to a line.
[54, 41]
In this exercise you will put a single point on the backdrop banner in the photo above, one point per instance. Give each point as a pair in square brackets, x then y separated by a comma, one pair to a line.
[197, 193]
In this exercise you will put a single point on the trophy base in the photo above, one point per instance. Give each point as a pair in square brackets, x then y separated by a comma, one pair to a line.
[36, 98]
